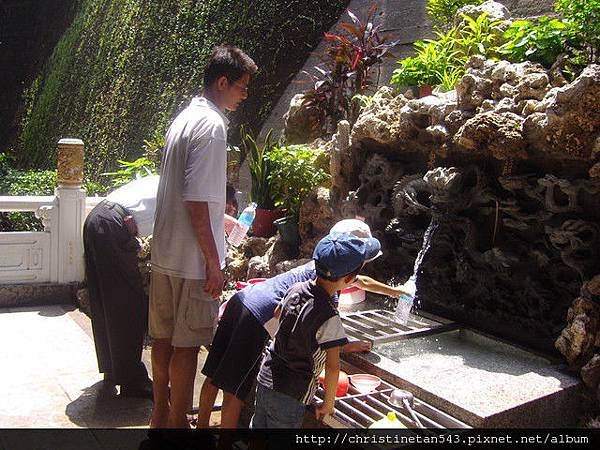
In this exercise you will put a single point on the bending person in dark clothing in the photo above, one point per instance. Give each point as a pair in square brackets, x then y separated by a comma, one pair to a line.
[118, 303]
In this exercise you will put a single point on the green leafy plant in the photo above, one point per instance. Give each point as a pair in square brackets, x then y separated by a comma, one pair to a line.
[153, 147]
[260, 166]
[449, 77]
[441, 61]
[143, 166]
[432, 58]
[541, 40]
[442, 12]
[569, 42]
[5, 164]
[412, 70]
[131, 170]
[95, 188]
[584, 18]
[294, 173]
[478, 36]
[30, 182]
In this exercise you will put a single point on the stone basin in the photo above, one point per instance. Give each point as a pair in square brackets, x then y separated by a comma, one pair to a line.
[476, 378]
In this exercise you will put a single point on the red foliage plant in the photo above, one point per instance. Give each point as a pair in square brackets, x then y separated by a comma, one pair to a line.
[346, 70]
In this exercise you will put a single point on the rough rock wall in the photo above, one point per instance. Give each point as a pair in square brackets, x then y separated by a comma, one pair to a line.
[492, 189]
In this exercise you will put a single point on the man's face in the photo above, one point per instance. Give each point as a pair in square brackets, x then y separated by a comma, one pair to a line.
[236, 92]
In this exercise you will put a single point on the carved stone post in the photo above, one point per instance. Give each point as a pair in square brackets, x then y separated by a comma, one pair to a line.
[71, 213]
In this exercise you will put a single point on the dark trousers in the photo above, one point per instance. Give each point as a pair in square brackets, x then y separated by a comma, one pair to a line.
[118, 304]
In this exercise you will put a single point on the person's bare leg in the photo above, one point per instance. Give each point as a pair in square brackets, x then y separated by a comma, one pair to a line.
[161, 358]
[182, 372]
[208, 395]
[230, 413]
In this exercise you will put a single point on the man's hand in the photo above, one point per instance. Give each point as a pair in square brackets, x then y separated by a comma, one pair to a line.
[324, 409]
[357, 346]
[129, 222]
[214, 280]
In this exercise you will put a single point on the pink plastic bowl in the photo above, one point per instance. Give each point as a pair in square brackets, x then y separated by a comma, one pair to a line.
[365, 382]
[351, 295]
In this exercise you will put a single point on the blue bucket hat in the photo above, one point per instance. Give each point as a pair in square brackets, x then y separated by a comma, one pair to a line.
[339, 254]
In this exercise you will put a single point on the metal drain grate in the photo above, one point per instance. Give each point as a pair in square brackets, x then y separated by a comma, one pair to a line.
[380, 326]
[356, 410]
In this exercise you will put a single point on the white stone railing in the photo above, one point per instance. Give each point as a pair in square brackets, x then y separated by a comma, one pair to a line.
[54, 255]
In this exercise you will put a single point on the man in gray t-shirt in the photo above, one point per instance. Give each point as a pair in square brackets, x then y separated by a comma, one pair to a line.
[188, 246]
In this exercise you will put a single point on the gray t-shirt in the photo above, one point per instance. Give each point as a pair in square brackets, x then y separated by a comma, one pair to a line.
[193, 169]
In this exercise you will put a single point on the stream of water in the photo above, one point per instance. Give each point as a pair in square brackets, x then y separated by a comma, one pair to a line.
[407, 302]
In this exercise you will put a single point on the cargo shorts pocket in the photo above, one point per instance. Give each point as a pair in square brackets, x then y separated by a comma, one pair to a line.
[201, 311]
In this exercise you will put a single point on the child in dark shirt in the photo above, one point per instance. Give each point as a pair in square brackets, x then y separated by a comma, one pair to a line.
[310, 336]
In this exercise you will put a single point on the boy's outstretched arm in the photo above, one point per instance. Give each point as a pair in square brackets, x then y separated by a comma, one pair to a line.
[357, 346]
[332, 373]
[371, 285]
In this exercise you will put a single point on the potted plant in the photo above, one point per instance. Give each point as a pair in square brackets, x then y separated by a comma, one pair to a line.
[423, 70]
[260, 167]
[295, 171]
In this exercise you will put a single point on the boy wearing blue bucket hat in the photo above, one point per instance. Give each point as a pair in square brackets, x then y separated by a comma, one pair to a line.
[310, 336]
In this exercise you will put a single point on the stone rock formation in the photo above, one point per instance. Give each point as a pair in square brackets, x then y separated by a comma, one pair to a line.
[316, 219]
[567, 119]
[579, 341]
[497, 134]
[301, 124]
[494, 10]
[494, 187]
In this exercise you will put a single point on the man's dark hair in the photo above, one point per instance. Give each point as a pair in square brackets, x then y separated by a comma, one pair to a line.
[230, 193]
[230, 196]
[228, 61]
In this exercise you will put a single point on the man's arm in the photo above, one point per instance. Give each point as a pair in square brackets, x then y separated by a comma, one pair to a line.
[332, 373]
[200, 219]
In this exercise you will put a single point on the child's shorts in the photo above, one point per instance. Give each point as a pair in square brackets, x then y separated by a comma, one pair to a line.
[276, 410]
[236, 352]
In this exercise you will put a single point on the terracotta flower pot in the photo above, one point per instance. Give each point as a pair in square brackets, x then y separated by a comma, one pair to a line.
[263, 222]
[425, 90]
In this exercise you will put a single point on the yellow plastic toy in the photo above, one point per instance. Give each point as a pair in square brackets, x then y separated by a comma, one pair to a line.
[389, 421]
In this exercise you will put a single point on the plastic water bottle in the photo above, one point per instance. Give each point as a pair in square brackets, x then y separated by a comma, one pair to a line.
[405, 301]
[241, 228]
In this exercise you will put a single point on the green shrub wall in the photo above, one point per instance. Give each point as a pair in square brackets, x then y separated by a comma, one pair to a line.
[125, 67]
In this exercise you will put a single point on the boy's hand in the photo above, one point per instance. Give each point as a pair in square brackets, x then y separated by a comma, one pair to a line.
[324, 409]
[357, 346]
